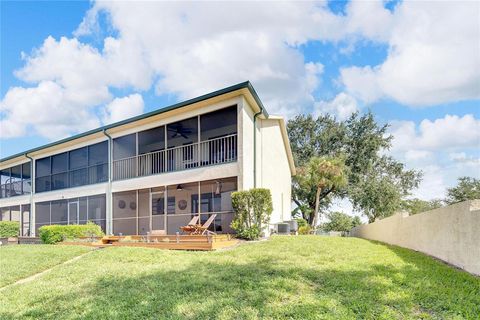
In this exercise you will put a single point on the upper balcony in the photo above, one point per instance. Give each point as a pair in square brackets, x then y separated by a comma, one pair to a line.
[194, 155]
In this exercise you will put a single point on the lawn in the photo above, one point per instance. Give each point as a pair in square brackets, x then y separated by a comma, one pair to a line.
[18, 262]
[305, 277]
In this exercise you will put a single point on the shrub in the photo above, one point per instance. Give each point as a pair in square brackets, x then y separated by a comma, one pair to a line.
[304, 229]
[301, 222]
[9, 229]
[57, 233]
[252, 211]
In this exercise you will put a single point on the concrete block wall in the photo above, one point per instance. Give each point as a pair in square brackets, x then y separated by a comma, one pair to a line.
[451, 234]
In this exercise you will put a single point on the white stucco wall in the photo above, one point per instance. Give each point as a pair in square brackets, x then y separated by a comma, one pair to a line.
[451, 234]
[274, 172]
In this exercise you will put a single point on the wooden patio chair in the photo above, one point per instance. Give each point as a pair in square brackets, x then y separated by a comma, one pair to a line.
[191, 226]
[201, 230]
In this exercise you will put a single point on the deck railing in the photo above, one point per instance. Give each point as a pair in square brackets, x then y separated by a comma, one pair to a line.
[204, 153]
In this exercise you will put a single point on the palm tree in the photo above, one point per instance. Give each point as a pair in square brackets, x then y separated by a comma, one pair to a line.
[324, 175]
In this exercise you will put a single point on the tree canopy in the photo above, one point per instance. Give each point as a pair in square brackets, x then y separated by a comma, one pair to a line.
[467, 189]
[360, 141]
[339, 221]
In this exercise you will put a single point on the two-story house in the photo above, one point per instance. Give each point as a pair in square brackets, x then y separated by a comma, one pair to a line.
[156, 170]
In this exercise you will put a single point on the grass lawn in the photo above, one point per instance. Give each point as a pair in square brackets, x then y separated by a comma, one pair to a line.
[305, 277]
[21, 261]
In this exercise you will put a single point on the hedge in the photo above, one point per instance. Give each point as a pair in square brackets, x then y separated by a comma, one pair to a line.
[9, 229]
[57, 233]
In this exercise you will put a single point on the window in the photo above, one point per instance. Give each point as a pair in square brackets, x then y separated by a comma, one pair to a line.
[151, 140]
[42, 174]
[78, 158]
[59, 212]
[124, 147]
[60, 163]
[43, 167]
[16, 181]
[218, 123]
[98, 153]
[5, 214]
[97, 209]
[74, 168]
[15, 213]
[42, 215]
[5, 183]
[59, 178]
[91, 208]
[26, 175]
[125, 212]
[182, 132]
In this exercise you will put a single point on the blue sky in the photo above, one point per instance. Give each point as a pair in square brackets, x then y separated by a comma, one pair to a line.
[69, 66]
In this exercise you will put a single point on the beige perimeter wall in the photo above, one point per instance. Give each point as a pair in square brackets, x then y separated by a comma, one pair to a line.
[451, 234]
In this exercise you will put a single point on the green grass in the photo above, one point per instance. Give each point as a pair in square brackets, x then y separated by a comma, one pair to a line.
[305, 277]
[20, 261]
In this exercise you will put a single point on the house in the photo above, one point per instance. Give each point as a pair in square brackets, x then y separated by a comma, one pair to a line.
[154, 171]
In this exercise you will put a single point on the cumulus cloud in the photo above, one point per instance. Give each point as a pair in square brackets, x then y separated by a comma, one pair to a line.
[444, 149]
[450, 132]
[342, 106]
[188, 49]
[48, 109]
[433, 56]
[123, 108]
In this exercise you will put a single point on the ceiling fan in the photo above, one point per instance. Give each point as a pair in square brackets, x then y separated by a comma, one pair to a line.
[179, 130]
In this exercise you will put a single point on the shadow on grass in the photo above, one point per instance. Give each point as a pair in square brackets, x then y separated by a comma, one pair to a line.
[265, 288]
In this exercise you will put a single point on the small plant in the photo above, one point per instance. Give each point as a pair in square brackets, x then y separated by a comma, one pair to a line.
[304, 229]
[56, 233]
[252, 212]
[301, 222]
[9, 229]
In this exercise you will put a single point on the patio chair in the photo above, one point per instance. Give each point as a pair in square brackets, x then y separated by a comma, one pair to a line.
[201, 230]
[191, 226]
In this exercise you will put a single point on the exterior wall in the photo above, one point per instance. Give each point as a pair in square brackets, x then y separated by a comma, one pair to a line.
[245, 160]
[272, 164]
[178, 177]
[451, 233]
[274, 169]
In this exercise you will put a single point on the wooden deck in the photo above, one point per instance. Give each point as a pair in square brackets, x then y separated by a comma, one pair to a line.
[169, 242]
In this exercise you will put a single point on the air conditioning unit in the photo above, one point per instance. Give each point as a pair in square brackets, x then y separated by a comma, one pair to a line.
[283, 228]
[293, 225]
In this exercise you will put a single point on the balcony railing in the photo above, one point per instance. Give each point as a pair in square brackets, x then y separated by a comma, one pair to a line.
[204, 153]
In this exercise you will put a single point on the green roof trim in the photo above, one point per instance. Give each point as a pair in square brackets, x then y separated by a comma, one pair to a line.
[243, 85]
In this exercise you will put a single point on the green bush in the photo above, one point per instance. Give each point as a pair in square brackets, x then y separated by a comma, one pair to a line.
[301, 222]
[9, 229]
[252, 212]
[304, 229]
[57, 233]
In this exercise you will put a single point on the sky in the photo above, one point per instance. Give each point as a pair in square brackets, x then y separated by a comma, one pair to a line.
[67, 67]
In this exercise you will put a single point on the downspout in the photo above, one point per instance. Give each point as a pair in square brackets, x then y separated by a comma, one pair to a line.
[109, 186]
[255, 146]
[30, 213]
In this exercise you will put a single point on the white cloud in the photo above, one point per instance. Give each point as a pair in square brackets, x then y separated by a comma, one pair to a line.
[342, 106]
[433, 56]
[123, 108]
[444, 149]
[48, 109]
[450, 132]
[463, 159]
[187, 49]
